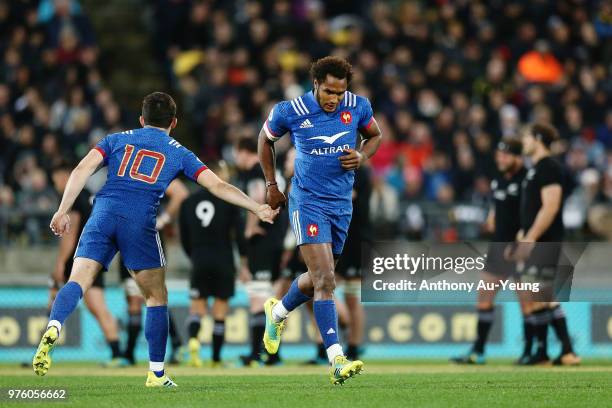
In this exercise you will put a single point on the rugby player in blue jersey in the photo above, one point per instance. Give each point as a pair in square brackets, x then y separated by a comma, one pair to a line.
[325, 125]
[141, 164]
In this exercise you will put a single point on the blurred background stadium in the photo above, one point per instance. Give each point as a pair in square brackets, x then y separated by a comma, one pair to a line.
[447, 79]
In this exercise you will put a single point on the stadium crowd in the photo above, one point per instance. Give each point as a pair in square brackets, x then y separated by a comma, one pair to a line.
[447, 79]
[53, 107]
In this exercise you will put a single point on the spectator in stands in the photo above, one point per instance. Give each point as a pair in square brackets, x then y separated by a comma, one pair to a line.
[37, 199]
[540, 65]
[604, 131]
[67, 17]
[466, 69]
[47, 79]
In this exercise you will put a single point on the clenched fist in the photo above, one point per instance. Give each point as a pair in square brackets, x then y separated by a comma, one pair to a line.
[352, 159]
[275, 197]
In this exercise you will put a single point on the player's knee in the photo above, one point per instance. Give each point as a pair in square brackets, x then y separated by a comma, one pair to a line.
[135, 308]
[220, 308]
[163, 295]
[156, 296]
[325, 283]
[197, 307]
[305, 284]
[525, 309]
[196, 312]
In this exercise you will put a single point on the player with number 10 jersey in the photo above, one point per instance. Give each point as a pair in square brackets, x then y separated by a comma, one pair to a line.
[141, 163]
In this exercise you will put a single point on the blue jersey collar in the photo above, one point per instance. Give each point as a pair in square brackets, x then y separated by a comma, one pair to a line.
[311, 102]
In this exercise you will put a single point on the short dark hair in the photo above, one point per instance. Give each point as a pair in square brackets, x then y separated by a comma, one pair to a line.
[158, 109]
[335, 66]
[511, 145]
[247, 143]
[545, 133]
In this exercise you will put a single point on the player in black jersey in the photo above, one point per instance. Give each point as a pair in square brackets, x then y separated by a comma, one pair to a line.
[175, 193]
[209, 229]
[540, 238]
[94, 297]
[264, 245]
[504, 222]
[348, 269]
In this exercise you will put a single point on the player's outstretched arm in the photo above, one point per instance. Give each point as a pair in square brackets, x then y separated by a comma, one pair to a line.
[60, 223]
[233, 195]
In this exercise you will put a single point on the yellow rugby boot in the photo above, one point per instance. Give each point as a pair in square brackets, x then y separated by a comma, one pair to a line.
[42, 358]
[342, 369]
[273, 331]
[155, 381]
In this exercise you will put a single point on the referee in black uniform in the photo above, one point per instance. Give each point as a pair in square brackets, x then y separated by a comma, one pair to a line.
[209, 229]
[540, 239]
[504, 222]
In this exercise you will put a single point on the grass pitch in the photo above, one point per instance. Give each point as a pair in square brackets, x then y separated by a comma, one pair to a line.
[414, 384]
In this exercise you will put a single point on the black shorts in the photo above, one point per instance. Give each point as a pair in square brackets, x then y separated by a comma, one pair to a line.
[348, 269]
[546, 268]
[543, 262]
[98, 280]
[349, 264]
[213, 274]
[295, 267]
[497, 265]
[264, 258]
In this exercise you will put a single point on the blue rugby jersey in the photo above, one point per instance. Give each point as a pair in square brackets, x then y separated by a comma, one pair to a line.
[319, 138]
[141, 163]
